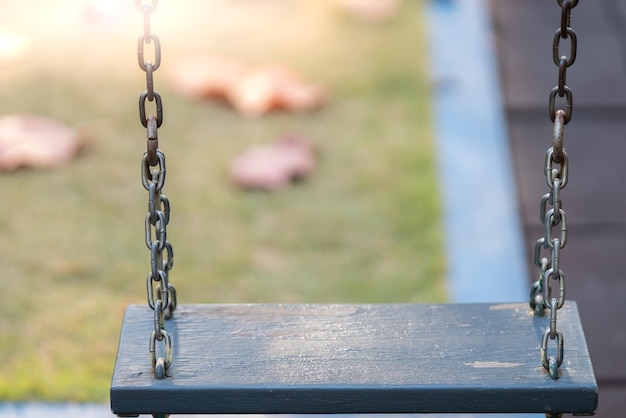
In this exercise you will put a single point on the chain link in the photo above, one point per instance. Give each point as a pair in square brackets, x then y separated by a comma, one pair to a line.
[551, 213]
[161, 294]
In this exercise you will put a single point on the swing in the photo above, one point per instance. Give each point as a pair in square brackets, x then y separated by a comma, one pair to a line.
[354, 358]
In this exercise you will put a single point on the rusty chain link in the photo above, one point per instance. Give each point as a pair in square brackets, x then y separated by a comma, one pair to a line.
[161, 294]
[551, 213]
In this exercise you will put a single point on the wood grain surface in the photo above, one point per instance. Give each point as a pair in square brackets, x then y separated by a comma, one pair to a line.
[353, 359]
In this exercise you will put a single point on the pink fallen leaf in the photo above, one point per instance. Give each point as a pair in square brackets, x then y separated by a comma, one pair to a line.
[274, 166]
[35, 141]
[205, 76]
[251, 91]
[275, 87]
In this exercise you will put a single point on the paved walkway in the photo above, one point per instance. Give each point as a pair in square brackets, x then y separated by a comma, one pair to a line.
[595, 198]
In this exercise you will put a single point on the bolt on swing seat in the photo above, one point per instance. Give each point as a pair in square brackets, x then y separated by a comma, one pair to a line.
[381, 358]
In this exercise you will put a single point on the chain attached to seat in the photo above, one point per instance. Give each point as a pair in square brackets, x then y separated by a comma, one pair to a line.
[551, 213]
[161, 294]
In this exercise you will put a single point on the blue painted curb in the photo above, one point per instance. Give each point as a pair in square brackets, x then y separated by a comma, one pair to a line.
[482, 230]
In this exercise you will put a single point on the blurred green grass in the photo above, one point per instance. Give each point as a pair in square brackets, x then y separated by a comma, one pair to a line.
[365, 228]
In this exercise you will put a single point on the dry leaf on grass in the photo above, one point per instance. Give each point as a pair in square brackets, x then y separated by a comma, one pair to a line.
[35, 141]
[205, 76]
[251, 91]
[274, 166]
[275, 87]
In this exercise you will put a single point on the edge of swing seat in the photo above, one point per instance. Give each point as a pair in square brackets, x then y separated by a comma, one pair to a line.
[381, 358]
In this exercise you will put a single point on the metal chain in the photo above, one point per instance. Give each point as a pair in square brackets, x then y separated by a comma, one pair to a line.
[161, 294]
[551, 211]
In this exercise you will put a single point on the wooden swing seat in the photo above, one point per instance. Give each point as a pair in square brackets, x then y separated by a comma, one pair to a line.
[383, 358]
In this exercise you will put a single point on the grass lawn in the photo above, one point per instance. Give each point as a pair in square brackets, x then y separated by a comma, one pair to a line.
[365, 228]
